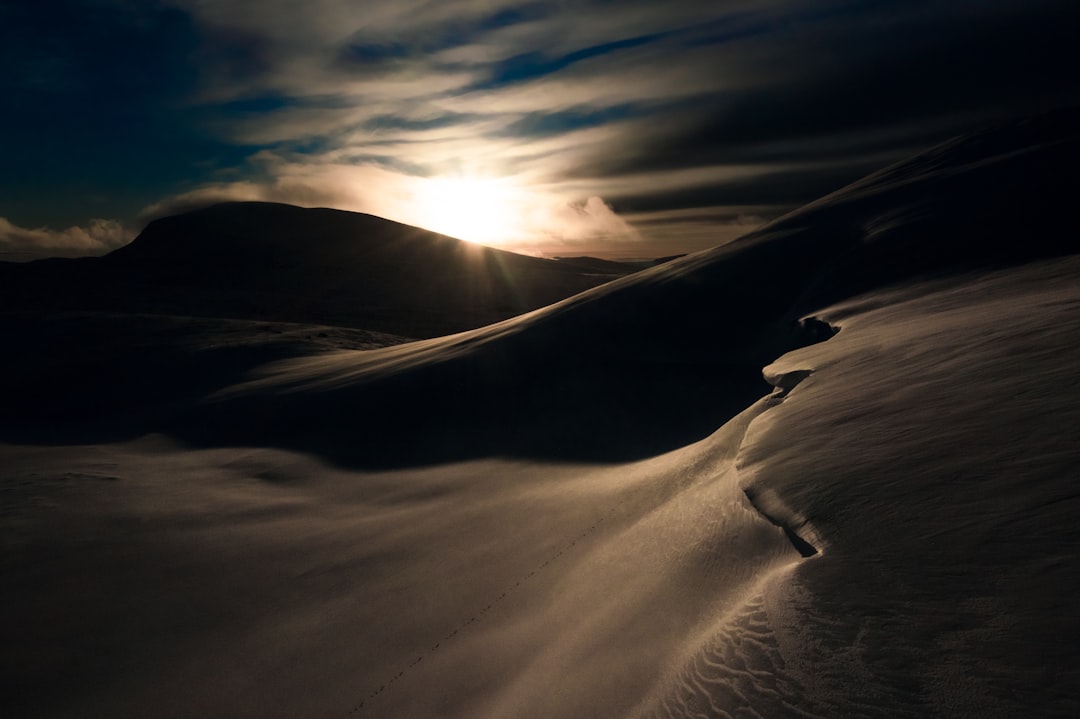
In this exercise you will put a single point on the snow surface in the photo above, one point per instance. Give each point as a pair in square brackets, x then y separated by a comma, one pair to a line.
[931, 455]
[593, 510]
[264, 583]
[934, 451]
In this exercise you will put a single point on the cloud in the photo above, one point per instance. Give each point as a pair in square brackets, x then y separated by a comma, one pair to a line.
[529, 219]
[96, 238]
[700, 228]
[657, 108]
[564, 224]
[207, 195]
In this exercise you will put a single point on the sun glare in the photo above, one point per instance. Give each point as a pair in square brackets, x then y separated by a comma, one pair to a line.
[474, 209]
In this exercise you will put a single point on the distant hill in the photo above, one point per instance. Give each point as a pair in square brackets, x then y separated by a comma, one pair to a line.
[267, 261]
[599, 266]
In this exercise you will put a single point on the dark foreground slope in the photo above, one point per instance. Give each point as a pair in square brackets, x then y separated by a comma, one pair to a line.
[273, 262]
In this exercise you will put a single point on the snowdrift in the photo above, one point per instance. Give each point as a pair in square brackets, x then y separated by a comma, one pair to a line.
[830, 472]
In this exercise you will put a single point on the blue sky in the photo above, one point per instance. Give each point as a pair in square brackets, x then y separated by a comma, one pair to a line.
[621, 128]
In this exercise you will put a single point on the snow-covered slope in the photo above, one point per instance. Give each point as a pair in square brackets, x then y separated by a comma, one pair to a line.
[886, 530]
[931, 454]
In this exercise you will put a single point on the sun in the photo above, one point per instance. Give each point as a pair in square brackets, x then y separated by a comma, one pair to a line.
[479, 210]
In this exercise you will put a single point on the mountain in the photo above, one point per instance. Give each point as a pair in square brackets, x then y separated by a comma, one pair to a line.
[266, 261]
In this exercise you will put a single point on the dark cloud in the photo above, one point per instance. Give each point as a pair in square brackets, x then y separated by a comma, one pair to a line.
[896, 87]
[780, 188]
[436, 122]
[371, 58]
[530, 65]
[546, 124]
[376, 48]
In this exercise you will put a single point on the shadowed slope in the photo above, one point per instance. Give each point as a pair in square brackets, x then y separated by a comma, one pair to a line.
[653, 361]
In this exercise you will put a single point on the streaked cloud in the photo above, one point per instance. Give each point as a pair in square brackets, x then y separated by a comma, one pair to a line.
[99, 236]
[644, 109]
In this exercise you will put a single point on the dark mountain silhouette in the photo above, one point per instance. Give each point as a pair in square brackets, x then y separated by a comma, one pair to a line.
[267, 261]
[611, 268]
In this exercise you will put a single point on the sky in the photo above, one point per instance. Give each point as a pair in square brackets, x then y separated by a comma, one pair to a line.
[619, 129]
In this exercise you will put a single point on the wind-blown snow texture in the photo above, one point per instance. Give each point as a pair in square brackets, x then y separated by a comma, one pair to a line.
[412, 532]
[933, 454]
